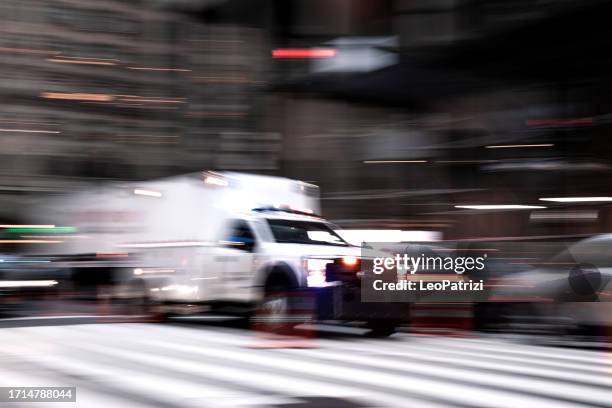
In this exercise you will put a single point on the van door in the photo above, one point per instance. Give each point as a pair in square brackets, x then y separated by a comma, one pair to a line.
[240, 243]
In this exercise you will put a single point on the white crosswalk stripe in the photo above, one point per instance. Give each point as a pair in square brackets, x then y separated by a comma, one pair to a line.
[177, 366]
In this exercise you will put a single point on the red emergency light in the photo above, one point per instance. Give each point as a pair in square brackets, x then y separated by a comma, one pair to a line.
[304, 52]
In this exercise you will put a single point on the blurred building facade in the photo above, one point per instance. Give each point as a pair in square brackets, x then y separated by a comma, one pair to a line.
[107, 90]
[398, 127]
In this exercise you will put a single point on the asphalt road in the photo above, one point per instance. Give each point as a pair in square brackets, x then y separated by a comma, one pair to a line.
[212, 365]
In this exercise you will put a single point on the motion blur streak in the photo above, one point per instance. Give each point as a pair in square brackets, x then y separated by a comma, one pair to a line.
[28, 241]
[28, 51]
[26, 226]
[27, 283]
[160, 69]
[82, 62]
[393, 161]
[148, 193]
[30, 131]
[519, 145]
[499, 207]
[78, 96]
[577, 199]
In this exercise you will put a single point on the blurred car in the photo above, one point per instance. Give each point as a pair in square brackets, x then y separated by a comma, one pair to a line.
[567, 293]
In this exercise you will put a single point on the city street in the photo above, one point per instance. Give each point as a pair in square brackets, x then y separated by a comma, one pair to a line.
[305, 204]
[218, 365]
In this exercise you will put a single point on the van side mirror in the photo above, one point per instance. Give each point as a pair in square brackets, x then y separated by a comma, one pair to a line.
[240, 236]
[242, 243]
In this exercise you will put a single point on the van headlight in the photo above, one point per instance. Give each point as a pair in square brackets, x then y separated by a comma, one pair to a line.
[315, 270]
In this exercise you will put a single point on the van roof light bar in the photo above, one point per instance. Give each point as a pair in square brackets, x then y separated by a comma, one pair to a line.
[285, 209]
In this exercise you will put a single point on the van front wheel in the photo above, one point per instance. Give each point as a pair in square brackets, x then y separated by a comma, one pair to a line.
[275, 312]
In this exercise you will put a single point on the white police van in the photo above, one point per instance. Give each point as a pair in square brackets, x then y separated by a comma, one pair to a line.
[217, 239]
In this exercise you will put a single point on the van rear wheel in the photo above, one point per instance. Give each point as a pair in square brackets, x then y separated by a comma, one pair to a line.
[138, 303]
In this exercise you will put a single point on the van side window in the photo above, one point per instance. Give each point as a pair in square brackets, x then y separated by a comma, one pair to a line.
[240, 235]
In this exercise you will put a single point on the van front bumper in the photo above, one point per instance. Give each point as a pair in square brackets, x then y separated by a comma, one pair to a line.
[344, 303]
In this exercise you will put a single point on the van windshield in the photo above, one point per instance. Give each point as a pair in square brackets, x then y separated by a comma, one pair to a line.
[304, 232]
